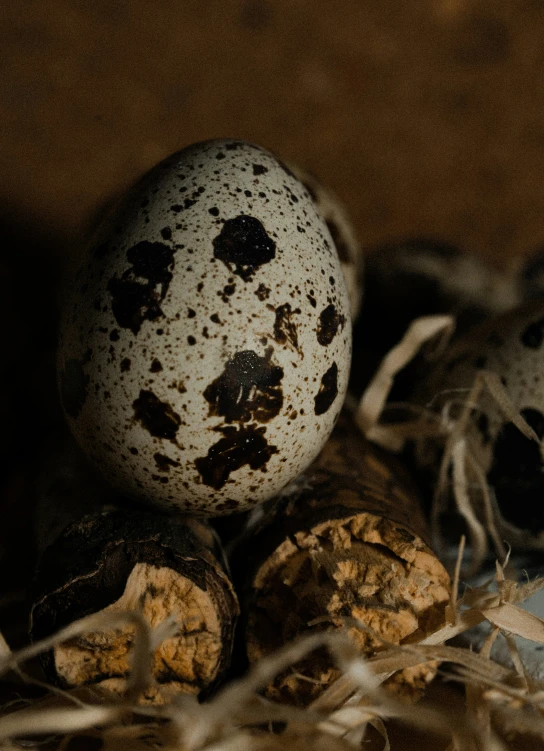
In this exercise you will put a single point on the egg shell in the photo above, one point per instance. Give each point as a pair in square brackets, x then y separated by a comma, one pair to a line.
[339, 224]
[512, 347]
[205, 348]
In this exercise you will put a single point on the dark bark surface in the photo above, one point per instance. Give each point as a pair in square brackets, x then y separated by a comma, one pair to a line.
[86, 570]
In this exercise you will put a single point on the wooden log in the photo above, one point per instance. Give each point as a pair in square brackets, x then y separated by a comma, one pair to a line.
[349, 542]
[131, 559]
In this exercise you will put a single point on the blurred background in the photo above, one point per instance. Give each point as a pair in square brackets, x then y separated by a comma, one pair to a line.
[425, 116]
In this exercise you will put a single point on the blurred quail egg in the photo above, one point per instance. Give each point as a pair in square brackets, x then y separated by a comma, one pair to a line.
[422, 276]
[205, 344]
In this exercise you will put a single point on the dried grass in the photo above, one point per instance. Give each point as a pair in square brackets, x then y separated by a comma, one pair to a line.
[500, 703]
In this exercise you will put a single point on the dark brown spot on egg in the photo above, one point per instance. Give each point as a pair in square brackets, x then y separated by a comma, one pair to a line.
[157, 417]
[243, 245]
[164, 462]
[156, 366]
[285, 330]
[73, 387]
[187, 203]
[125, 364]
[259, 169]
[533, 335]
[328, 390]
[137, 294]
[248, 389]
[239, 446]
[262, 292]
[329, 323]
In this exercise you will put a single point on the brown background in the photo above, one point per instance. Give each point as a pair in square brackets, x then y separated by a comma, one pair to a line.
[426, 116]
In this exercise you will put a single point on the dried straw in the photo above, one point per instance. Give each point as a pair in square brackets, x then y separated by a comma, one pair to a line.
[500, 703]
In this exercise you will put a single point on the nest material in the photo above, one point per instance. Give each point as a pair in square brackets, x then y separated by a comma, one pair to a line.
[501, 704]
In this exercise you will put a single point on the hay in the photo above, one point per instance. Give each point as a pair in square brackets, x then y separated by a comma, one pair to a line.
[500, 703]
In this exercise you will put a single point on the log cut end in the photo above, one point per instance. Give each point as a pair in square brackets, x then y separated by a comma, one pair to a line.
[361, 567]
[161, 567]
[186, 662]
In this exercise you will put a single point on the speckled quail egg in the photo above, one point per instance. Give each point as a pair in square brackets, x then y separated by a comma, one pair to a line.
[205, 345]
[339, 224]
[416, 277]
[511, 348]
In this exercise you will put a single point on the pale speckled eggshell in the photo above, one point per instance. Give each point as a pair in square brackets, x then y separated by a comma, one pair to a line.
[205, 348]
[511, 346]
[343, 233]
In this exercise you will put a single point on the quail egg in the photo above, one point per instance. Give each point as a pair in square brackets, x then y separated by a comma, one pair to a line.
[205, 343]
